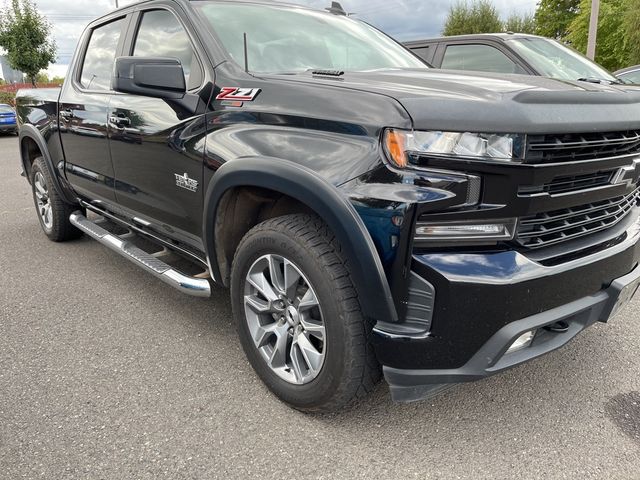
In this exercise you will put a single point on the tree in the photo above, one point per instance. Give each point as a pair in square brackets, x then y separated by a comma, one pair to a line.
[26, 36]
[612, 48]
[42, 77]
[57, 80]
[479, 17]
[520, 23]
[553, 17]
[632, 31]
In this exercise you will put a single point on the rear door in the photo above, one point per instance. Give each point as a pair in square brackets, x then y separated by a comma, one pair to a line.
[83, 111]
[157, 146]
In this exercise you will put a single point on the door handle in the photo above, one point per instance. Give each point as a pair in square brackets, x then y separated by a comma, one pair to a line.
[118, 121]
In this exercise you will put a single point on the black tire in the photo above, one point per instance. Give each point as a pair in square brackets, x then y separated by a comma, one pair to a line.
[350, 370]
[60, 228]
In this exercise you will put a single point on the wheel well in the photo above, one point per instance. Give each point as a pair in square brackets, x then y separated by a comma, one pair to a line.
[242, 208]
[30, 151]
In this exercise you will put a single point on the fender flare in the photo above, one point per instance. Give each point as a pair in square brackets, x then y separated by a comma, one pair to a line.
[323, 198]
[32, 133]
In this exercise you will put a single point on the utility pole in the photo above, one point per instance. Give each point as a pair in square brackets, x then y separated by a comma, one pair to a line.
[116, 3]
[593, 29]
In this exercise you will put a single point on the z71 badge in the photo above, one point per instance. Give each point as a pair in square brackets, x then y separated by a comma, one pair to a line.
[238, 94]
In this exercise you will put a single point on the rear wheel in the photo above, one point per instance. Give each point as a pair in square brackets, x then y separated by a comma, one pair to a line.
[53, 211]
[298, 314]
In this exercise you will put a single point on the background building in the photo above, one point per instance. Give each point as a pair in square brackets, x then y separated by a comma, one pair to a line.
[8, 74]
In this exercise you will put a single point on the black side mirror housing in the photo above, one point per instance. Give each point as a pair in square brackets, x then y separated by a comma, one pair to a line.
[149, 76]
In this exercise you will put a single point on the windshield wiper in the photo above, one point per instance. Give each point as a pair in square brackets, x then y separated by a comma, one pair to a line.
[601, 81]
[590, 79]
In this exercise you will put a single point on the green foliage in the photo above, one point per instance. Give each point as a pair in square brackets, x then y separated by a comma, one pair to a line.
[42, 77]
[26, 36]
[612, 45]
[480, 16]
[8, 98]
[520, 23]
[58, 80]
[553, 17]
[632, 31]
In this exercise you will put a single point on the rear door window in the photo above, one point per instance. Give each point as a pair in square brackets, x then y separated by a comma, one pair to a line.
[478, 57]
[100, 55]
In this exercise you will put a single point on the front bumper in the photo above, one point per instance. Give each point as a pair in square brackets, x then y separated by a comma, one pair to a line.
[484, 301]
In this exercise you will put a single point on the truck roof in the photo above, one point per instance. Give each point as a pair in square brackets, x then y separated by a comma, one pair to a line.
[257, 2]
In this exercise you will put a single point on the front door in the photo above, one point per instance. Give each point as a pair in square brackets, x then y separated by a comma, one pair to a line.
[83, 114]
[157, 146]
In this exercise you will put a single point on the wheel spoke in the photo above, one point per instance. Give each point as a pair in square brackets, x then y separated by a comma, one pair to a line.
[48, 214]
[275, 272]
[279, 355]
[40, 188]
[312, 328]
[308, 300]
[258, 305]
[262, 334]
[295, 362]
[312, 356]
[261, 283]
[291, 280]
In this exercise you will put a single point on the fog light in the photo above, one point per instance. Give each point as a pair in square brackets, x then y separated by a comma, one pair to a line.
[523, 341]
[465, 231]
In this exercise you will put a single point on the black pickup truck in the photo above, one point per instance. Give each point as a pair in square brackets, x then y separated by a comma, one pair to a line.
[369, 215]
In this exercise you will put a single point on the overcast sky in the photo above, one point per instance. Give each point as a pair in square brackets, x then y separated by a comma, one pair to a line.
[403, 19]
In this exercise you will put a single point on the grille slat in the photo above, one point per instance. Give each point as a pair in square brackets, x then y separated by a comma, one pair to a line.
[571, 183]
[586, 146]
[550, 228]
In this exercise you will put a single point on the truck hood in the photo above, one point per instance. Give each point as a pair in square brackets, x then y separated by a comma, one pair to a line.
[447, 100]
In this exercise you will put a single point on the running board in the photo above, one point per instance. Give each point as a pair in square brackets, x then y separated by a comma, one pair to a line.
[197, 287]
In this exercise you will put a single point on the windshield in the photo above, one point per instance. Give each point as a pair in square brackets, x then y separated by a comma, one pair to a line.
[6, 109]
[290, 39]
[552, 59]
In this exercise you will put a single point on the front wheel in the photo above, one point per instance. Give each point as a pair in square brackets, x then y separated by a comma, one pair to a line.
[298, 314]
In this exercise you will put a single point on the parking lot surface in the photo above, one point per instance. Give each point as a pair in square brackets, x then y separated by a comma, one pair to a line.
[106, 373]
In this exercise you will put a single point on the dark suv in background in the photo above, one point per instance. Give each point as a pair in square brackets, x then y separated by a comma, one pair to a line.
[511, 54]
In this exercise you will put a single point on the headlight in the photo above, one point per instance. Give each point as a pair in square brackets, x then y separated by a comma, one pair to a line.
[404, 147]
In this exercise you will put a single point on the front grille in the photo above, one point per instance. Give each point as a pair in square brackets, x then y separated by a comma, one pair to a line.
[551, 228]
[586, 146]
[572, 183]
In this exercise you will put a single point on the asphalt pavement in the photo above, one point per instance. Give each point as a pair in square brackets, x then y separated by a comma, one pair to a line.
[106, 373]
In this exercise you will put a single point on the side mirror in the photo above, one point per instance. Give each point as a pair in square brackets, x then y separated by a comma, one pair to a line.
[149, 76]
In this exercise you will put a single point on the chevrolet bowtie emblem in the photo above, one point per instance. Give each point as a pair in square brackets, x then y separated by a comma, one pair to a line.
[183, 181]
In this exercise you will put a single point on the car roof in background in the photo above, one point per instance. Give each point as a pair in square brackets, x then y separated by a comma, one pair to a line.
[476, 36]
[627, 70]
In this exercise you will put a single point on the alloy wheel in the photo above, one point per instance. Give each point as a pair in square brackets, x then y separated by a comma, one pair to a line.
[285, 319]
[43, 201]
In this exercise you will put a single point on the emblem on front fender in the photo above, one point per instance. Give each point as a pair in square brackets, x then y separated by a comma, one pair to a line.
[238, 94]
[183, 181]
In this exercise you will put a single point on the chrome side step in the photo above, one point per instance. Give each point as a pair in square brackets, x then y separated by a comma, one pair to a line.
[197, 287]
